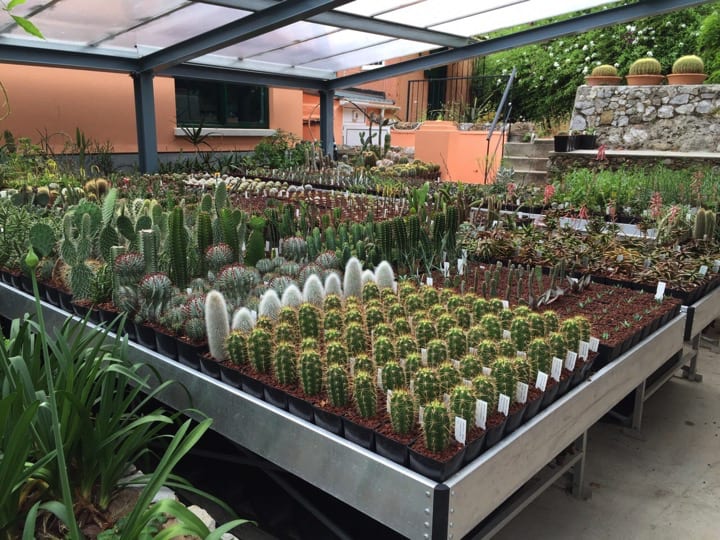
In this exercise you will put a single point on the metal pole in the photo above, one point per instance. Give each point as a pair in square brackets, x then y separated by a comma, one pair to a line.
[145, 121]
[327, 136]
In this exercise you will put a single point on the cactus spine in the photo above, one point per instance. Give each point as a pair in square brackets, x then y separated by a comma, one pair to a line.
[427, 385]
[285, 363]
[462, 404]
[236, 347]
[506, 376]
[436, 426]
[402, 412]
[337, 385]
[393, 376]
[311, 372]
[260, 349]
[486, 390]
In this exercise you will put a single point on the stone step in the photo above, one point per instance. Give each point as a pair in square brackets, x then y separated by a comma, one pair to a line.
[537, 148]
[527, 163]
[529, 177]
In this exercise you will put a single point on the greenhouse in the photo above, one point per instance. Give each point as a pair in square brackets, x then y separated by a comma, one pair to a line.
[344, 269]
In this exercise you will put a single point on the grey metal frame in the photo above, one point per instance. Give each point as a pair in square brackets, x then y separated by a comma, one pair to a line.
[398, 497]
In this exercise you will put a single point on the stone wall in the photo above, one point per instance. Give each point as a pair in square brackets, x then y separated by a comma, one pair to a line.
[665, 118]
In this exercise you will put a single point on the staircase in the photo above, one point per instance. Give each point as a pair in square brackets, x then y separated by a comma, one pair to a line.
[529, 160]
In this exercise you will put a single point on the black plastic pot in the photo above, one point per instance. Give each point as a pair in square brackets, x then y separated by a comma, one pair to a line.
[276, 397]
[549, 395]
[52, 296]
[189, 353]
[328, 420]
[585, 142]
[495, 433]
[515, 419]
[532, 408]
[433, 469]
[359, 434]
[231, 376]
[563, 386]
[65, 301]
[166, 344]
[563, 143]
[145, 335]
[209, 366]
[474, 448]
[301, 408]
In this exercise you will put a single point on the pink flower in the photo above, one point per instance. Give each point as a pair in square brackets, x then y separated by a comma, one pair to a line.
[583, 213]
[656, 205]
[510, 190]
[549, 193]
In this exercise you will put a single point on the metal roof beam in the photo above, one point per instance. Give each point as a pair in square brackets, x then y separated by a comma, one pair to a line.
[43, 54]
[643, 8]
[260, 22]
[348, 21]
[190, 71]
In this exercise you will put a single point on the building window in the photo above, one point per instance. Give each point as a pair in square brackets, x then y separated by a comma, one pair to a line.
[218, 104]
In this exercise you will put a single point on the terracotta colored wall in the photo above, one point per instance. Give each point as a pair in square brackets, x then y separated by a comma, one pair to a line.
[56, 101]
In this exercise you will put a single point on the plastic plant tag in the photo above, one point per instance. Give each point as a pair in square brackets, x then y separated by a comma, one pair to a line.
[521, 354]
[446, 399]
[660, 292]
[522, 392]
[423, 356]
[619, 258]
[460, 429]
[412, 386]
[505, 304]
[506, 334]
[504, 404]
[556, 370]
[267, 245]
[394, 286]
[594, 344]
[716, 265]
[351, 362]
[379, 378]
[703, 270]
[467, 382]
[421, 414]
[570, 360]
[446, 269]
[429, 281]
[480, 413]
[472, 350]
[541, 381]
[486, 371]
[584, 349]
[455, 363]
[388, 400]
[460, 267]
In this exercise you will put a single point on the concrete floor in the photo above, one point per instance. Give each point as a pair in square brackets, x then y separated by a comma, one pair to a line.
[661, 484]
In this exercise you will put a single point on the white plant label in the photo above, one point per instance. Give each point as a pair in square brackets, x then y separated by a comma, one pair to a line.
[522, 392]
[506, 334]
[455, 364]
[388, 400]
[394, 287]
[429, 281]
[446, 399]
[486, 371]
[557, 365]
[480, 413]
[504, 404]
[446, 269]
[267, 245]
[472, 350]
[716, 265]
[619, 258]
[460, 429]
[412, 386]
[584, 349]
[521, 354]
[660, 290]
[505, 304]
[541, 381]
[253, 316]
[379, 378]
[351, 361]
[423, 356]
[460, 267]
[467, 382]
[421, 414]
[594, 344]
[570, 360]
[703, 270]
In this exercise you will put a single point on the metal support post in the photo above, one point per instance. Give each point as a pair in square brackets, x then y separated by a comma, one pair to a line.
[327, 136]
[578, 487]
[145, 121]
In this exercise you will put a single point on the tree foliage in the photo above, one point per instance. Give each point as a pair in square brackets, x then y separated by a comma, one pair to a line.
[549, 73]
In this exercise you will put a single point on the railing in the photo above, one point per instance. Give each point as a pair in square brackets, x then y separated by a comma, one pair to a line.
[503, 112]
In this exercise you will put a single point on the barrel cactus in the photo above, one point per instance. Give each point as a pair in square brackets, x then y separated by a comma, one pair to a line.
[604, 70]
[405, 345]
[486, 390]
[309, 320]
[470, 366]
[236, 348]
[285, 363]
[492, 327]
[393, 376]
[688, 64]
[383, 350]
[552, 322]
[437, 352]
[355, 338]
[424, 332]
[336, 353]
[506, 376]
[520, 333]
[645, 66]
[448, 377]
[462, 403]
[364, 363]
[260, 350]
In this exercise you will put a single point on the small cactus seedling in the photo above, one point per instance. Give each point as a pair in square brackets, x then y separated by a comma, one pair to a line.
[506, 347]
[364, 363]
[402, 412]
[309, 321]
[486, 389]
[413, 362]
[448, 377]
[463, 316]
[585, 327]
[570, 329]
[383, 350]
[365, 394]
[436, 427]
[285, 363]
[337, 385]
[540, 356]
[537, 324]
[393, 376]
[437, 352]
[492, 327]
[370, 291]
[456, 343]
[356, 338]
[506, 376]
[236, 347]
[552, 323]
[260, 349]
[426, 385]
[487, 352]
[521, 333]
[462, 403]
[424, 332]
[310, 370]
[405, 345]
[470, 366]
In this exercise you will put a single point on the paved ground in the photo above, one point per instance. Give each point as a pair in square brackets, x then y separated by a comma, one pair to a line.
[661, 485]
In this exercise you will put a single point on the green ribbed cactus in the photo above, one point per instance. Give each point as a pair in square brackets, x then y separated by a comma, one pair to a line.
[260, 349]
[436, 426]
[540, 356]
[154, 294]
[236, 345]
[537, 324]
[285, 331]
[424, 332]
[218, 256]
[353, 314]
[236, 281]
[405, 345]
[645, 66]
[406, 288]
[370, 291]
[585, 327]
[481, 307]
[506, 376]
[445, 322]
[558, 347]
[570, 329]
[310, 371]
[604, 70]
[356, 338]
[552, 322]
[402, 412]
[309, 321]
[438, 310]
[462, 404]
[383, 350]
[475, 335]
[492, 327]
[149, 248]
[463, 316]
[470, 366]
[688, 64]
[506, 347]
[393, 376]
[288, 315]
[448, 377]
[401, 326]
[525, 370]
[430, 296]
[373, 317]
[309, 344]
[334, 320]
[332, 302]
[520, 333]
[426, 385]
[364, 363]
[486, 389]
[177, 247]
[336, 353]
[413, 362]
[295, 249]
[437, 352]
[506, 318]
[414, 303]
[203, 238]
[395, 311]
[285, 363]
[365, 394]
[337, 385]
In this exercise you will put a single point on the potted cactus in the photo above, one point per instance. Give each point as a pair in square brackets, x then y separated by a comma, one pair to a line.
[645, 71]
[687, 69]
[393, 438]
[603, 75]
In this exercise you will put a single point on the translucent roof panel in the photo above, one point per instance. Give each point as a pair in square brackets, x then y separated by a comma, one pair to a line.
[304, 39]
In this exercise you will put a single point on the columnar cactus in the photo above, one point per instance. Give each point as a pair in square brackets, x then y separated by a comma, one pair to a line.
[309, 321]
[437, 352]
[585, 327]
[558, 346]
[352, 280]
[414, 303]
[373, 317]
[288, 332]
[383, 350]
[430, 296]
[456, 343]
[285, 363]
[570, 329]
[486, 390]
[289, 316]
[520, 333]
[405, 345]
[291, 296]
[154, 294]
[218, 326]
[365, 394]
[355, 338]
[552, 323]
[506, 376]
[335, 353]
[313, 291]
[383, 329]
[436, 426]
[353, 314]
[537, 324]
[402, 412]
[364, 363]
[309, 344]
[426, 385]
[149, 248]
[310, 369]
[332, 301]
[393, 376]
[487, 352]
[337, 385]
[413, 362]
[424, 332]
[178, 248]
[540, 356]
[384, 275]
[236, 348]
[260, 350]
[448, 377]
[470, 366]
[481, 307]
[492, 327]
[243, 320]
[333, 320]
[462, 403]
[269, 305]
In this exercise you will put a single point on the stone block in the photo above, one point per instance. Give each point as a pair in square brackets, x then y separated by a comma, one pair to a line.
[666, 111]
[606, 118]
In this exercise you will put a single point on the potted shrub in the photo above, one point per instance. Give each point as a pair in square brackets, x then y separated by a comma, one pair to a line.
[604, 75]
[644, 71]
[687, 69]
[564, 142]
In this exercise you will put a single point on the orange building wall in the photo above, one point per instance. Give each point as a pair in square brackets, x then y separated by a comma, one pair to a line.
[55, 101]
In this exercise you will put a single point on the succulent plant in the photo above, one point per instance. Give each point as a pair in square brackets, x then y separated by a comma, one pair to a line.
[336, 353]
[393, 376]
[462, 403]
[430, 296]
[337, 385]
[492, 327]
[506, 376]
[217, 324]
[456, 343]
[482, 307]
[370, 291]
[540, 356]
[236, 347]
[332, 301]
[217, 256]
[436, 426]
[402, 412]
[352, 279]
[486, 390]
[552, 322]
[291, 296]
[309, 321]
[269, 305]
[295, 249]
[463, 316]
[333, 320]
[260, 350]
[525, 369]
[383, 329]
[355, 338]
[645, 66]
[313, 291]
[364, 363]
[365, 394]
[154, 292]
[413, 362]
[520, 333]
[570, 329]
[401, 326]
[424, 332]
[448, 377]
[383, 350]
[310, 370]
[414, 303]
[470, 366]
[437, 352]
[405, 345]
[333, 285]
[585, 327]
[243, 320]
[284, 363]
[604, 70]
[236, 281]
[373, 317]
[688, 64]
[426, 385]
[384, 275]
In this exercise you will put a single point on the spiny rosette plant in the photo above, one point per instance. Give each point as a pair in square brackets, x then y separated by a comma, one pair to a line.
[436, 426]
[462, 403]
[310, 369]
[426, 385]
[236, 347]
[365, 394]
[402, 412]
[337, 385]
[393, 376]
[260, 349]
[285, 363]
